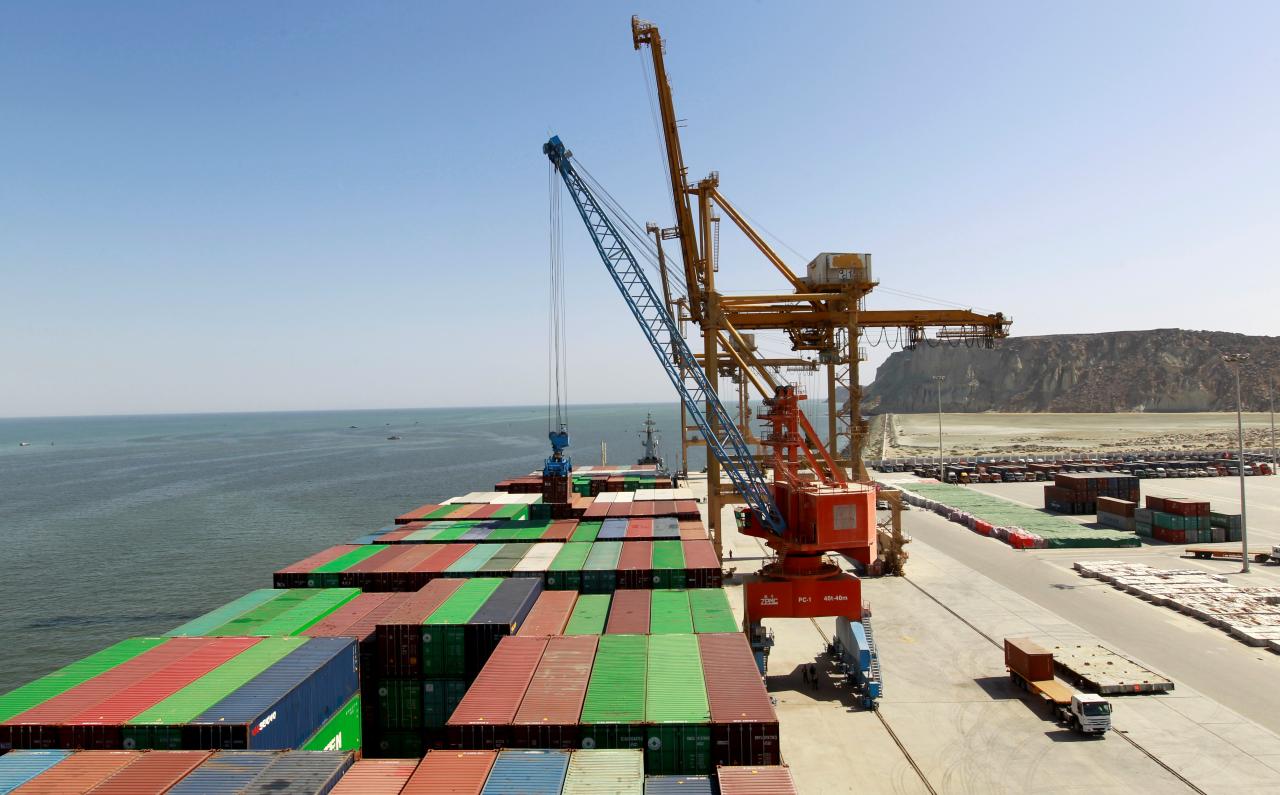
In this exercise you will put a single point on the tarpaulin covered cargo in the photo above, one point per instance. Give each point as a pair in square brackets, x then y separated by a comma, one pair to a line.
[153, 772]
[376, 777]
[613, 712]
[678, 785]
[451, 773]
[79, 772]
[676, 710]
[399, 635]
[19, 767]
[744, 726]
[605, 772]
[565, 571]
[629, 613]
[527, 773]
[483, 718]
[548, 713]
[301, 773]
[711, 611]
[670, 613]
[225, 771]
[763, 780]
[550, 614]
[589, 615]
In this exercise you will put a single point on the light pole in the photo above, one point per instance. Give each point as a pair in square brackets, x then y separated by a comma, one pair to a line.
[1235, 359]
[942, 466]
[1271, 398]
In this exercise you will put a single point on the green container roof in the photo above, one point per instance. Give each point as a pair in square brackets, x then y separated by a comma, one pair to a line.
[201, 695]
[306, 615]
[589, 615]
[511, 512]
[711, 611]
[585, 531]
[216, 618]
[77, 673]
[669, 612]
[668, 555]
[245, 623]
[571, 557]
[465, 601]
[453, 531]
[344, 562]
[427, 533]
[514, 551]
[443, 511]
[676, 691]
[473, 559]
[616, 691]
[604, 555]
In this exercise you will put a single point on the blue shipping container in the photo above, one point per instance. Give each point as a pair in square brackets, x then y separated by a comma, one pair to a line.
[612, 530]
[302, 773]
[19, 767]
[666, 527]
[527, 773]
[225, 771]
[285, 704]
[677, 785]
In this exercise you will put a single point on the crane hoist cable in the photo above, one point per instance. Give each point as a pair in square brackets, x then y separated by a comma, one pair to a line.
[557, 353]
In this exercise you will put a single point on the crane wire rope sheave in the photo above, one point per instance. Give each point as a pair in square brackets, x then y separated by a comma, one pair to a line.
[558, 465]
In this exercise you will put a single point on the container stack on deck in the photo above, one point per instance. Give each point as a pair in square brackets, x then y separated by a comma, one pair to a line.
[470, 626]
[1078, 492]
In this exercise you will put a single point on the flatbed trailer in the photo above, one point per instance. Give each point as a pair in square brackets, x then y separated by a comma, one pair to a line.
[1258, 554]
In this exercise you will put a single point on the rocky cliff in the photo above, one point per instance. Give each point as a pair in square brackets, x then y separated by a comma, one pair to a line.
[1159, 370]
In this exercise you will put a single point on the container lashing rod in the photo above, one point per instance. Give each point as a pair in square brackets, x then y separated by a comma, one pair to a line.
[723, 438]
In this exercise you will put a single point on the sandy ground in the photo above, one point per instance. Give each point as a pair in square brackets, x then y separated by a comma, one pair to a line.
[906, 435]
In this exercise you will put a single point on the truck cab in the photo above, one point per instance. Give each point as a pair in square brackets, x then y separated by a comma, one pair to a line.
[1090, 713]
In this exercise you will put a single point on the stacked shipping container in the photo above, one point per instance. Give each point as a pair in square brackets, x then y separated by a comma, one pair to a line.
[1078, 492]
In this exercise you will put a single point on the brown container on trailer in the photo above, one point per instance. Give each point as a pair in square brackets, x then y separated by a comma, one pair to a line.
[744, 726]
[629, 613]
[635, 565]
[763, 780]
[399, 635]
[79, 773]
[295, 575]
[482, 720]
[1028, 659]
[451, 773]
[552, 705]
[550, 614]
[153, 772]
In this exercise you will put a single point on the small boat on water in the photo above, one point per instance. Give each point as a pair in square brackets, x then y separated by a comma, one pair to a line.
[393, 438]
[24, 444]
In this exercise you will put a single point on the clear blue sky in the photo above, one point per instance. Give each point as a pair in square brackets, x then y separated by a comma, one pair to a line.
[295, 205]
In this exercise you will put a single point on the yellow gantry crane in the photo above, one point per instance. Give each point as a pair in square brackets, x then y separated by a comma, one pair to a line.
[824, 313]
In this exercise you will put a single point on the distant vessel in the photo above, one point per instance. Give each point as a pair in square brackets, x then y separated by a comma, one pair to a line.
[650, 439]
[24, 444]
[393, 438]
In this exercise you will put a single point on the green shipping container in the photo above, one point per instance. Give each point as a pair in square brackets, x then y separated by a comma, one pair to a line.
[512, 512]
[585, 531]
[613, 712]
[32, 694]
[669, 613]
[711, 611]
[471, 562]
[444, 647]
[676, 710]
[400, 705]
[160, 727]
[328, 575]
[443, 511]
[454, 531]
[397, 745]
[299, 618]
[440, 698]
[599, 573]
[505, 559]
[342, 732]
[589, 615]
[565, 572]
[668, 565]
[206, 623]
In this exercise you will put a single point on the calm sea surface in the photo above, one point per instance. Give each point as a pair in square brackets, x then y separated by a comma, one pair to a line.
[119, 526]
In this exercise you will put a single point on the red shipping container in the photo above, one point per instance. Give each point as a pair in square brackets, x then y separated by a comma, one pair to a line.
[396, 574]
[560, 530]
[399, 636]
[639, 528]
[451, 773]
[764, 780]
[702, 565]
[79, 772]
[395, 535]
[744, 726]
[153, 772]
[375, 777]
[687, 509]
[417, 513]
[664, 508]
[356, 575]
[465, 512]
[629, 613]
[552, 704]
[295, 575]
[486, 511]
[445, 556]
[596, 510]
[619, 510]
[635, 565]
[482, 720]
[550, 614]
[692, 530]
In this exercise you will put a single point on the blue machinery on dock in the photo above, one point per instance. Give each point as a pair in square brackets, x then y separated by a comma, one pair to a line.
[854, 648]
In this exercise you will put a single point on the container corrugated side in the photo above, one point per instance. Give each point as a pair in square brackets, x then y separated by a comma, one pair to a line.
[550, 614]
[444, 644]
[678, 785]
[701, 565]
[204, 624]
[483, 718]
[589, 615]
[376, 777]
[344, 731]
[599, 572]
[668, 565]
[635, 565]
[605, 772]
[527, 773]
[451, 772]
[552, 704]
[678, 732]
[329, 575]
[301, 773]
[630, 612]
[284, 705]
[225, 771]
[399, 635]
[71, 676]
[19, 767]
[299, 619]
[711, 611]
[744, 726]
[762, 780]
[613, 712]
[295, 574]
[78, 773]
[151, 773]
[669, 614]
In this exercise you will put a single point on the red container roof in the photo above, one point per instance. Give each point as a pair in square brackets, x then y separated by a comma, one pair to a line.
[416, 513]
[636, 556]
[699, 555]
[153, 772]
[423, 603]
[497, 692]
[376, 777]
[350, 620]
[550, 614]
[451, 773]
[763, 780]
[445, 556]
[78, 773]
[629, 612]
[735, 691]
[559, 685]
[322, 557]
